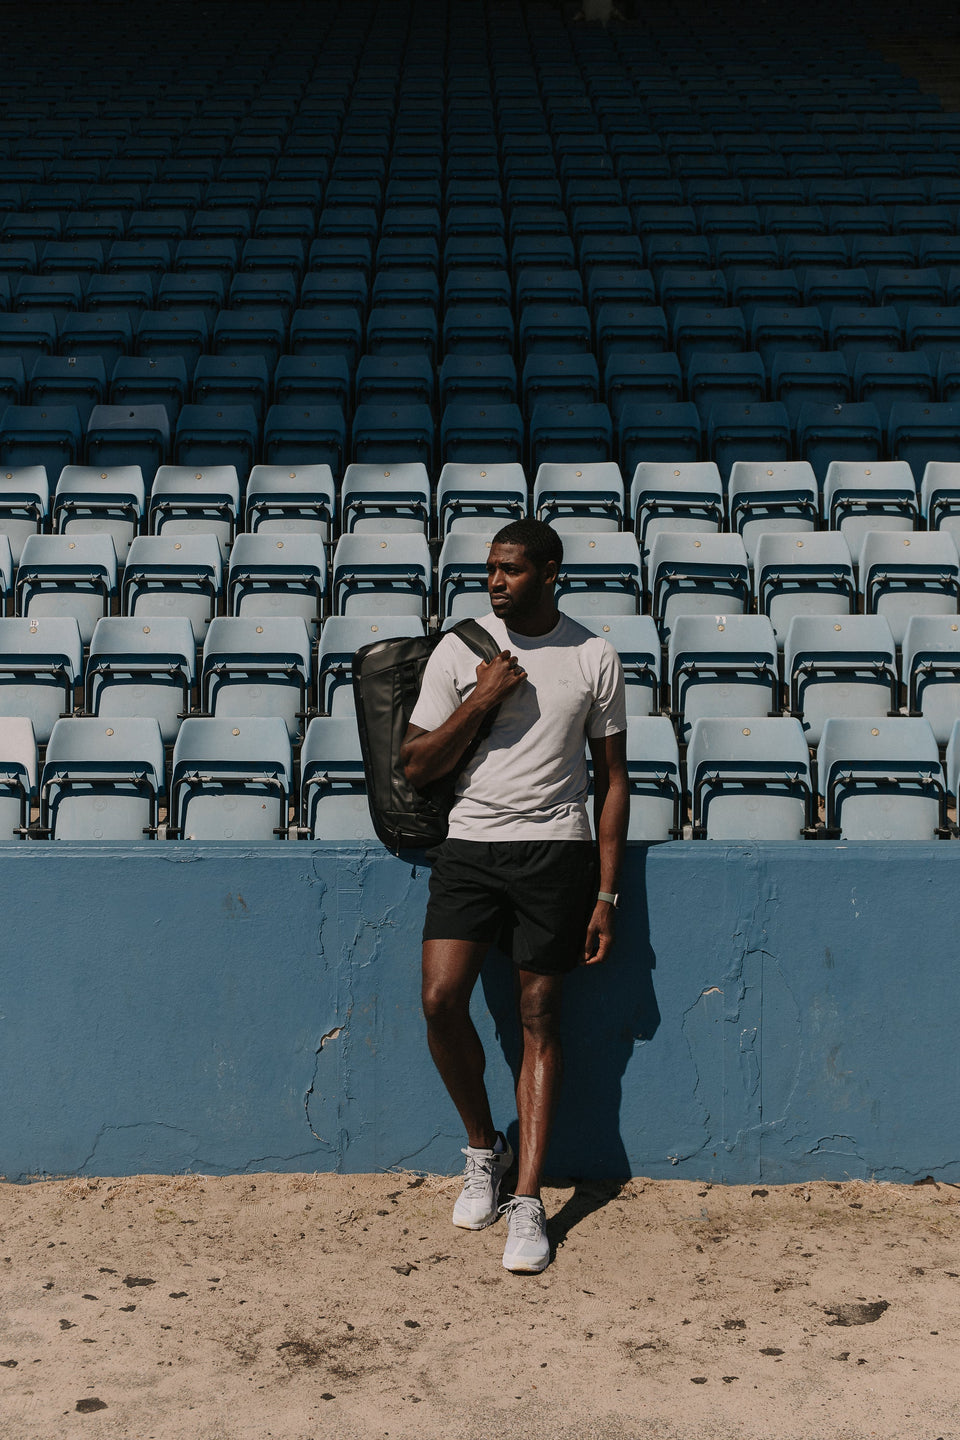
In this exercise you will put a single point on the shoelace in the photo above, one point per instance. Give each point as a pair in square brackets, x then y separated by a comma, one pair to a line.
[478, 1173]
[525, 1216]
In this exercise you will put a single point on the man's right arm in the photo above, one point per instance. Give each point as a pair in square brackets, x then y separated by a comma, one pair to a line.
[428, 755]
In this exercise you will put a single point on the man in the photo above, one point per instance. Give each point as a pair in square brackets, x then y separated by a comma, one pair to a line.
[519, 864]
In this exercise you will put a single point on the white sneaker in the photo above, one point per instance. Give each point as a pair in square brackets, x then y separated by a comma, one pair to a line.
[477, 1207]
[527, 1250]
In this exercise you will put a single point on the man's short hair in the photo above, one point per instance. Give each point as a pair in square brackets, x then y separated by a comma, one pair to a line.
[539, 540]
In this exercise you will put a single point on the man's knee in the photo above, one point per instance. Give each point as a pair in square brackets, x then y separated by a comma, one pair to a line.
[540, 1009]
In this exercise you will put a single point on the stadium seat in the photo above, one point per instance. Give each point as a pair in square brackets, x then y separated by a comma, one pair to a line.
[648, 433]
[567, 379]
[630, 330]
[721, 665]
[556, 432]
[24, 502]
[174, 575]
[479, 498]
[653, 771]
[716, 330]
[881, 779]
[375, 498]
[576, 497]
[838, 434]
[340, 639]
[768, 497]
[143, 667]
[385, 574]
[202, 290]
[233, 380]
[50, 436]
[80, 381]
[775, 329]
[18, 774]
[102, 780]
[333, 797]
[488, 434]
[125, 435]
[231, 779]
[939, 496]
[257, 666]
[749, 781]
[932, 328]
[839, 665]
[822, 378]
[67, 575]
[281, 500]
[41, 666]
[906, 575]
[161, 333]
[275, 576]
[748, 432]
[478, 379]
[878, 496]
[392, 434]
[696, 574]
[895, 377]
[920, 433]
[652, 379]
[462, 575]
[333, 330]
[185, 501]
[600, 574]
[684, 497]
[737, 379]
[27, 337]
[930, 667]
[140, 380]
[91, 501]
[395, 380]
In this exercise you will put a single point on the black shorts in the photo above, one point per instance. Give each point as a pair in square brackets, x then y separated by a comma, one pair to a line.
[533, 898]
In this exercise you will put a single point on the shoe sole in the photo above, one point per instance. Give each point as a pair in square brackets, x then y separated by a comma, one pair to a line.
[526, 1269]
[485, 1225]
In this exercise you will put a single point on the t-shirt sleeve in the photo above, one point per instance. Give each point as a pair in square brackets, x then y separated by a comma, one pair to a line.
[439, 696]
[608, 713]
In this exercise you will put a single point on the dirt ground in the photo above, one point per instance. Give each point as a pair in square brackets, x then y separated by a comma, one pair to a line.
[295, 1307]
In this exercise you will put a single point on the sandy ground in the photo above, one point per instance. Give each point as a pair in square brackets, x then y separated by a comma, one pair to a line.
[307, 1306]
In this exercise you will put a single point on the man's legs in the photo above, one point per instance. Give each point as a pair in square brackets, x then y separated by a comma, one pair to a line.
[450, 971]
[541, 1070]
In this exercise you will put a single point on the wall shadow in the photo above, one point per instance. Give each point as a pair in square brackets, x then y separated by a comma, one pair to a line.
[607, 1010]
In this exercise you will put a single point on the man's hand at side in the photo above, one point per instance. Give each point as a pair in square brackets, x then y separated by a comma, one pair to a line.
[600, 932]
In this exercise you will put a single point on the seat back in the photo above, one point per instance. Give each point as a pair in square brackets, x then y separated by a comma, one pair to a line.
[102, 780]
[18, 774]
[839, 666]
[230, 779]
[749, 779]
[881, 779]
[333, 792]
[805, 573]
[141, 667]
[257, 666]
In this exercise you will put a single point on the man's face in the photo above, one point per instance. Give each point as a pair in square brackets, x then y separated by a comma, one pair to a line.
[515, 584]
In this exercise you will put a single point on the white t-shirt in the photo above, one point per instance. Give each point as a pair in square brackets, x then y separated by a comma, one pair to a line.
[528, 779]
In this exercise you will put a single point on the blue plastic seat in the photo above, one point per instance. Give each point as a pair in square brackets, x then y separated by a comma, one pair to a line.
[261, 331]
[231, 779]
[75, 380]
[139, 257]
[558, 432]
[142, 380]
[855, 330]
[24, 502]
[629, 329]
[481, 432]
[67, 575]
[259, 666]
[894, 377]
[699, 329]
[766, 496]
[619, 285]
[669, 432]
[144, 667]
[715, 379]
[18, 774]
[839, 665]
[27, 337]
[878, 496]
[749, 781]
[393, 434]
[931, 328]
[191, 501]
[402, 330]
[277, 575]
[703, 288]
[378, 497]
[565, 378]
[387, 574]
[827, 287]
[174, 575]
[47, 435]
[802, 573]
[333, 796]
[202, 290]
[600, 574]
[480, 379]
[94, 501]
[129, 435]
[341, 636]
[881, 779]
[390, 380]
[675, 497]
[474, 497]
[906, 575]
[696, 574]
[930, 667]
[653, 771]
[41, 667]
[921, 433]
[222, 436]
[541, 285]
[284, 499]
[576, 497]
[102, 781]
[334, 330]
[651, 379]
[721, 665]
[347, 287]
[54, 295]
[774, 329]
[748, 432]
[838, 433]
[172, 332]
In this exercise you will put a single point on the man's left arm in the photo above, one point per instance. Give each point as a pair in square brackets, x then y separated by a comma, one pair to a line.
[611, 806]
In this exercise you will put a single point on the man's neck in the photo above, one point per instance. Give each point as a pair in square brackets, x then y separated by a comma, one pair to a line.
[539, 623]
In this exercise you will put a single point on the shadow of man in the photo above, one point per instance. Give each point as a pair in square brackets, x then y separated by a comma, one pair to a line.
[607, 1010]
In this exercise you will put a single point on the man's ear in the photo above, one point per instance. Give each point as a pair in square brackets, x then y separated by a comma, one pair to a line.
[550, 572]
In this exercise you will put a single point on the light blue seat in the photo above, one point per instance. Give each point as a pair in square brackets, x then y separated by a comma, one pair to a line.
[479, 498]
[578, 497]
[881, 779]
[676, 497]
[377, 497]
[386, 574]
[876, 495]
[41, 666]
[749, 779]
[653, 770]
[637, 642]
[462, 575]
[286, 499]
[24, 502]
[930, 668]
[766, 496]
[143, 667]
[18, 774]
[174, 575]
[341, 636]
[840, 665]
[600, 574]
[259, 665]
[90, 500]
[231, 779]
[186, 500]
[278, 575]
[696, 574]
[67, 575]
[102, 780]
[906, 575]
[6, 574]
[333, 792]
[803, 573]
[953, 760]
[939, 496]
[721, 665]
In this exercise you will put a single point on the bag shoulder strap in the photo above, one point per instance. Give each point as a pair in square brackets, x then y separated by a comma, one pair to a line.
[479, 640]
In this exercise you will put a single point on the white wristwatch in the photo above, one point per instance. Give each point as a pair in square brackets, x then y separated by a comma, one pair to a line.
[613, 900]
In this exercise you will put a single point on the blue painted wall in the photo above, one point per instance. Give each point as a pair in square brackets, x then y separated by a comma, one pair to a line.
[775, 1013]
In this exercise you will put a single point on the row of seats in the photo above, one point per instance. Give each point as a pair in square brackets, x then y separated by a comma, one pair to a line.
[233, 779]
